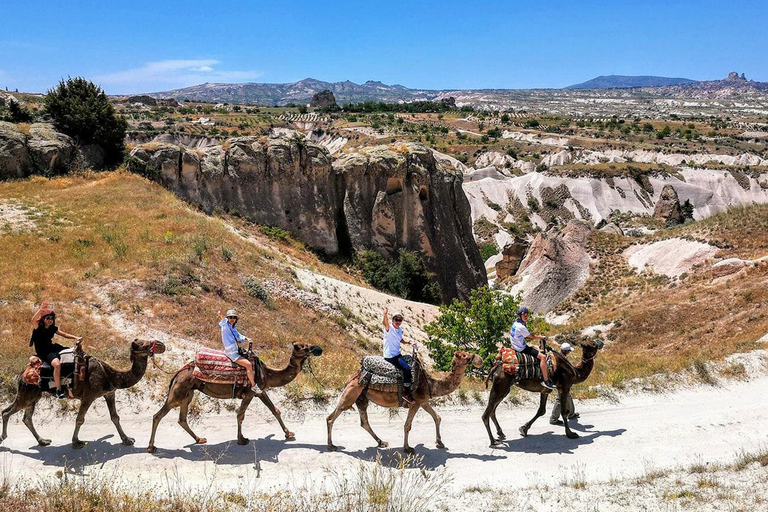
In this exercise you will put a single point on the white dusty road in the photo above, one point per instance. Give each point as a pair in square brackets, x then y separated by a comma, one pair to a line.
[627, 439]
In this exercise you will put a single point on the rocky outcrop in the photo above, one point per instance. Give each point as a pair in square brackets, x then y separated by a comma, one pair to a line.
[555, 266]
[668, 207]
[40, 149]
[384, 198]
[324, 99]
[511, 257]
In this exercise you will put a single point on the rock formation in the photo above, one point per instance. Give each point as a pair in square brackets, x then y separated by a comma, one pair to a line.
[324, 99]
[668, 207]
[511, 257]
[38, 150]
[555, 266]
[384, 198]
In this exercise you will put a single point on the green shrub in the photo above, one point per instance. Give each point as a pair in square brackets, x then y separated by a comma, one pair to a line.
[488, 250]
[255, 288]
[406, 277]
[275, 232]
[81, 110]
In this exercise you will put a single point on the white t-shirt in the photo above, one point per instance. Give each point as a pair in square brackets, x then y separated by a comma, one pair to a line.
[392, 339]
[517, 335]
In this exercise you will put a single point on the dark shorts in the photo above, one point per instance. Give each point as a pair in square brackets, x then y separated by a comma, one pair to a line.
[530, 351]
[50, 357]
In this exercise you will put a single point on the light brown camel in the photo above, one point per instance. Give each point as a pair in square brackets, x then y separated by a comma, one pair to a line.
[563, 374]
[183, 385]
[102, 380]
[425, 389]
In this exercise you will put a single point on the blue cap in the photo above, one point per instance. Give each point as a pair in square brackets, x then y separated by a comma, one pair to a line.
[522, 310]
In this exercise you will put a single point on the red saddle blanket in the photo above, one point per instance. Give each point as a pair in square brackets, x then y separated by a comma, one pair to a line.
[511, 360]
[214, 366]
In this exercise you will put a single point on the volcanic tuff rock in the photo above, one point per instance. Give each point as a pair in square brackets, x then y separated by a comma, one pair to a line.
[668, 207]
[42, 150]
[323, 98]
[384, 198]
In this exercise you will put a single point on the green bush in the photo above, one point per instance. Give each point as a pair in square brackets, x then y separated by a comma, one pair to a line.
[478, 325]
[81, 110]
[488, 250]
[255, 288]
[406, 277]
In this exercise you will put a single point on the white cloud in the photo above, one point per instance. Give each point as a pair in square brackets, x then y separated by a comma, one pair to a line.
[169, 74]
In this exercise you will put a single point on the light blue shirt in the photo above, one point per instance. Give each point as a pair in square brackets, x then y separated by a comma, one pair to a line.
[392, 339]
[230, 337]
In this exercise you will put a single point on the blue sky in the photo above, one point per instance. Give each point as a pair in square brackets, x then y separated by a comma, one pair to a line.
[145, 46]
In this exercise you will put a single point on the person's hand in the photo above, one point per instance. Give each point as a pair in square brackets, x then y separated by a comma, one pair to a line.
[45, 304]
[386, 311]
[78, 339]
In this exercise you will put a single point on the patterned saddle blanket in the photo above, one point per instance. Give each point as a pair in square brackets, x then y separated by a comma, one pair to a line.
[214, 366]
[520, 365]
[377, 373]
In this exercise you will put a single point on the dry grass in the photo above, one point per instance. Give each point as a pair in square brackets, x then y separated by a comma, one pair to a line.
[117, 243]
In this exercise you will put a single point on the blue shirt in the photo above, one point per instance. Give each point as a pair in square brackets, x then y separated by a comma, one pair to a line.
[230, 337]
[517, 335]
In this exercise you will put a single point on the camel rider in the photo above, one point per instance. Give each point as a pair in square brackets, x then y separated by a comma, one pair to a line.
[554, 419]
[230, 338]
[518, 334]
[44, 328]
[393, 337]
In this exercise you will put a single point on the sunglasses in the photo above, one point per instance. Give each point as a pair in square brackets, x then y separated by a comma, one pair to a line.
[397, 319]
[49, 317]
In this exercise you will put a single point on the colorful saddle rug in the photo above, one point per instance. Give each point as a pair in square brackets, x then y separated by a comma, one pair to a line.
[522, 366]
[376, 373]
[214, 366]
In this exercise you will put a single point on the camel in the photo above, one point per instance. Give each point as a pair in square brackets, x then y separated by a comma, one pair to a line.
[183, 385]
[564, 374]
[425, 389]
[102, 380]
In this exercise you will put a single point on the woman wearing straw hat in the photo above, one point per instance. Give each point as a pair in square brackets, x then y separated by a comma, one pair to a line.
[44, 328]
[230, 338]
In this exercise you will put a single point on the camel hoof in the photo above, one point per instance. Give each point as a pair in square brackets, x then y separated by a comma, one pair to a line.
[78, 445]
[151, 449]
[495, 443]
[43, 442]
[242, 441]
[440, 445]
[383, 444]
[523, 431]
[409, 450]
[128, 441]
[290, 436]
[572, 435]
[502, 436]
[202, 440]
[331, 448]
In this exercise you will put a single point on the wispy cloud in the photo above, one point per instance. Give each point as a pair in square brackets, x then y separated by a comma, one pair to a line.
[170, 74]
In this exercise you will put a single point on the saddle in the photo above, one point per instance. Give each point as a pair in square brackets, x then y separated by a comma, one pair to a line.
[519, 365]
[215, 367]
[45, 376]
[378, 374]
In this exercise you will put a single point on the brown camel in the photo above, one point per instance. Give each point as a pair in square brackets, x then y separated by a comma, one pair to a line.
[184, 384]
[425, 389]
[102, 380]
[563, 374]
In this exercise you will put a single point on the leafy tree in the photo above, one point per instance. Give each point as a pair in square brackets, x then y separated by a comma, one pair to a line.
[505, 118]
[18, 113]
[478, 325]
[80, 109]
[406, 277]
[687, 210]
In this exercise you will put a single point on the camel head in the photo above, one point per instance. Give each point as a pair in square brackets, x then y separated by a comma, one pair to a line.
[591, 347]
[461, 358]
[151, 347]
[304, 350]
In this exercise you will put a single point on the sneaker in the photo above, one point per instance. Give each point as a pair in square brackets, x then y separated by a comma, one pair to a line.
[574, 416]
[555, 422]
[408, 398]
[60, 393]
[548, 384]
[256, 390]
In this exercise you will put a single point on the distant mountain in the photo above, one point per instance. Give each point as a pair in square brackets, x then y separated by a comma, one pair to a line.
[733, 85]
[623, 82]
[298, 92]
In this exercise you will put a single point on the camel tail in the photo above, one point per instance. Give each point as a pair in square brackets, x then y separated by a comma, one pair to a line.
[173, 379]
[490, 374]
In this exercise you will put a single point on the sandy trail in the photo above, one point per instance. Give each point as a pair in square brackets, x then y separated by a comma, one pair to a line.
[618, 440]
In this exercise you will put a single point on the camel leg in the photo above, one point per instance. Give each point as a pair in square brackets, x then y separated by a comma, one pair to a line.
[7, 413]
[110, 398]
[27, 420]
[412, 410]
[183, 412]
[289, 436]
[499, 389]
[348, 397]
[540, 412]
[362, 409]
[159, 415]
[564, 411]
[241, 416]
[436, 417]
[84, 406]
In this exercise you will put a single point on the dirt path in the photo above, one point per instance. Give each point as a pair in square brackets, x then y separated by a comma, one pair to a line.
[622, 440]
